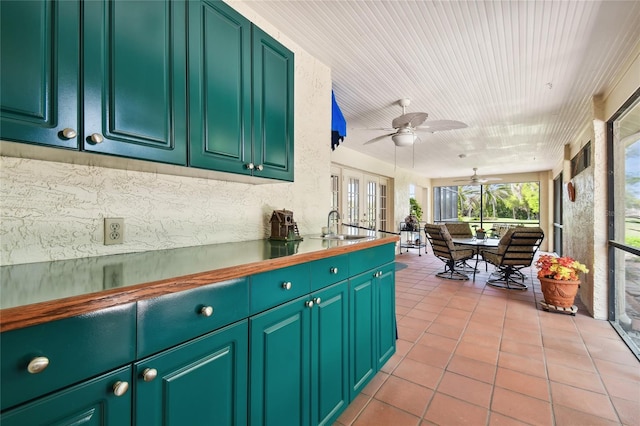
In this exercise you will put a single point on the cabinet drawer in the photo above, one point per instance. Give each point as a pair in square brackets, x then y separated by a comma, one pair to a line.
[92, 402]
[363, 260]
[175, 318]
[329, 271]
[76, 348]
[272, 288]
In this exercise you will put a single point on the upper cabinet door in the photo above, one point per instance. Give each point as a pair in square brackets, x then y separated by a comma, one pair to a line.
[39, 64]
[273, 112]
[219, 88]
[135, 79]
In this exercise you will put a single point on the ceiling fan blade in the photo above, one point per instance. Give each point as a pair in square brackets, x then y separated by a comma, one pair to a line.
[411, 119]
[441, 125]
[379, 138]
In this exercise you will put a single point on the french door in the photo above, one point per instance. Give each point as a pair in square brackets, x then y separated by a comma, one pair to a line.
[364, 200]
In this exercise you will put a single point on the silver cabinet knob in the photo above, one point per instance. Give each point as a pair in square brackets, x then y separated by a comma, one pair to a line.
[287, 285]
[96, 138]
[120, 388]
[38, 364]
[309, 303]
[260, 167]
[69, 133]
[149, 374]
[250, 166]
[317, 300]
[206, 311]
[333, 270]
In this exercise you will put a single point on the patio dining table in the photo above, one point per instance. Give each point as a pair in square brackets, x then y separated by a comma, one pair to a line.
[478, 244]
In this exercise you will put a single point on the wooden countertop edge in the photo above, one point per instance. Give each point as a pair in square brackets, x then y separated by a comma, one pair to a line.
[39, 313]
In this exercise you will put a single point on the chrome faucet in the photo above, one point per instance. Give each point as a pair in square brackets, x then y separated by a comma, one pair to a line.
[329, 220]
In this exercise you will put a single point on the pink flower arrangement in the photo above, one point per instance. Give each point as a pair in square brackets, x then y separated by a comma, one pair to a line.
[559, 268]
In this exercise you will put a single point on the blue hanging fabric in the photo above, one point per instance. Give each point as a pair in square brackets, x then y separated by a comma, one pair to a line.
[338, 124]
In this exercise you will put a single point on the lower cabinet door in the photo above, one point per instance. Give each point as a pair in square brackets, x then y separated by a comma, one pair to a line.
[201, 382]
[330, 354]
[90, 403]
[386, 313]
[280, 365]
[362, 330]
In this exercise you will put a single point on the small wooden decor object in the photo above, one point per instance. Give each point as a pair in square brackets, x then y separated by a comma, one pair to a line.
[571, 192]
[283, 227]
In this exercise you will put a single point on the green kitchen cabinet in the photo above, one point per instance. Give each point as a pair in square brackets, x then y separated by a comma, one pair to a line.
[127, 82]
[134, 79]
[372, 324]
[39, 65]
[273, 112]
[386, 313]
[241, 95]
[203, 381]
[104, 400]
[329, 354]
[299, 360]
[219, 87]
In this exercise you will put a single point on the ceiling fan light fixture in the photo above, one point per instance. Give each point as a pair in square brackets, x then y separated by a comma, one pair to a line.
[404, 138]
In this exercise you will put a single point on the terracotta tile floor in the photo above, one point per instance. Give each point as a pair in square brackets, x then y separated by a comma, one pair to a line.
[469, 354]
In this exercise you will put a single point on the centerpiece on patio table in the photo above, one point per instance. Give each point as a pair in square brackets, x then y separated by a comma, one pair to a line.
[559, 282]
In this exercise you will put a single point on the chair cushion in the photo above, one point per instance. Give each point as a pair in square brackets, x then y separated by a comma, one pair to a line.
[462, 254]
[459, 230]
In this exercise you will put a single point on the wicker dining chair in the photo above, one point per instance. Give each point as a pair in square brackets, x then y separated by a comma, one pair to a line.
[515, 251]
[445, 250]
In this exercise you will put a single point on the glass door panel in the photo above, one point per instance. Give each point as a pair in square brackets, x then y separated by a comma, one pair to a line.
[625, 222]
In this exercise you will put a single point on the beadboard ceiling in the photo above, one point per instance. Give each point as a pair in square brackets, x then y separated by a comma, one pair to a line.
[521, 74]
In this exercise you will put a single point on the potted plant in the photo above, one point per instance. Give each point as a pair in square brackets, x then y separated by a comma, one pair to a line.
[480, 233]
[415, 209]
[559, 279]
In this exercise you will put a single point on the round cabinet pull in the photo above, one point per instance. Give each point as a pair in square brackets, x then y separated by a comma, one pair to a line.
[149, 374]
[69, 133]
[96, 138]
[206, 311]
[38, 364]
[260, 167]
[120, 388]
[250, 166]
[333, 270]
[309, 303]
[317, 300]
[287, 285]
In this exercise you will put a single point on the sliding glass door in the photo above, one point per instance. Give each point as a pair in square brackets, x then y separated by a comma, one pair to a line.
[624, 221]
[489, 206]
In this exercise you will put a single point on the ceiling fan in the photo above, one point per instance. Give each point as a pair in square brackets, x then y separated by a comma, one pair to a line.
[407, 124]
[477, 180]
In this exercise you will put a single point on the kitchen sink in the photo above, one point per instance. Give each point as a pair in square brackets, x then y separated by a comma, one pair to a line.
[344, 237]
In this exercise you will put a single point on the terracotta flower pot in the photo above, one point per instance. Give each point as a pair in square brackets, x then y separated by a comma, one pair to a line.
[559, 293]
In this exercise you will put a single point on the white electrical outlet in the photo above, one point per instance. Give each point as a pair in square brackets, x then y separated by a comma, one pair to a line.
[113, 230]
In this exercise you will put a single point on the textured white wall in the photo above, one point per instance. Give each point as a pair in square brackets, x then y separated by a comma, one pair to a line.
[53, 210]
[585, 220]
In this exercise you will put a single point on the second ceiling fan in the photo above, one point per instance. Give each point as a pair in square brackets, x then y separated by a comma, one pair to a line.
[408, 124]
[474, 179]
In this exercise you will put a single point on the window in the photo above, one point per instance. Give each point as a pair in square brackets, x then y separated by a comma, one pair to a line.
[489, 205]
[581, 160]
[445, 202]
